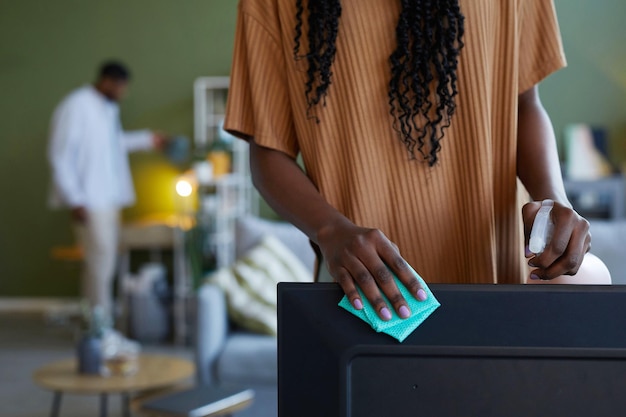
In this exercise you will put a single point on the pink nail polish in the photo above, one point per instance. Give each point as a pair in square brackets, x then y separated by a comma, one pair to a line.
[421, 295]
[404, 312]
[357, 304]
[385, 313]
[527, 251]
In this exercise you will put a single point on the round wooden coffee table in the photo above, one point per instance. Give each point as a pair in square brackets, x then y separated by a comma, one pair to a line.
[154, 372]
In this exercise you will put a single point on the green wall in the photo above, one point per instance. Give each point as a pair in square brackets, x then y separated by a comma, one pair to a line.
[49, 47]
[592, 89]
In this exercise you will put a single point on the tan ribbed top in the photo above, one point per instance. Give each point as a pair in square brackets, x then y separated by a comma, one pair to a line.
[458, 222]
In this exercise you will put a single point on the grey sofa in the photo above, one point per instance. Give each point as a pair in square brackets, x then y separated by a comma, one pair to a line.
[225, 354]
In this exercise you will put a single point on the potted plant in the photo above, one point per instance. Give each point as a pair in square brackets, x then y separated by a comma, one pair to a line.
[93, 325]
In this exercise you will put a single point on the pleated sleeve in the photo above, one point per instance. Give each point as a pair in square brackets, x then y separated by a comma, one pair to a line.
[258, 105]
[540, 49]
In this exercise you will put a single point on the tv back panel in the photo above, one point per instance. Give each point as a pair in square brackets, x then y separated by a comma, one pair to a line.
[487, 351]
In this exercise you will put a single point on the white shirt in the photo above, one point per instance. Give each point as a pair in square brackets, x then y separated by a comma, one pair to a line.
[88, 152]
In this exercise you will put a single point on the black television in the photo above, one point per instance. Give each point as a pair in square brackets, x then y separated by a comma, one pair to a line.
[489, 350]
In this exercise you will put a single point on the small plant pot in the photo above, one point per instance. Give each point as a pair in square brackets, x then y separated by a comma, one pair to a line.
[89, 353]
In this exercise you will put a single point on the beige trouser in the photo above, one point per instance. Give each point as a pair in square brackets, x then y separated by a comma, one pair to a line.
[98, 238]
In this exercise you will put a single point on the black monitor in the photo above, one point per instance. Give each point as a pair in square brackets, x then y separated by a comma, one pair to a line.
[489, 350]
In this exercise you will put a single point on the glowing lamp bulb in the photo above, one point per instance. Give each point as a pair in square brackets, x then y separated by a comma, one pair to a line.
[183, 188]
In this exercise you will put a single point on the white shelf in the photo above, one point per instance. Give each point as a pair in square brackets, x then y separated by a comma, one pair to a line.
[235, 193]
[209, 107]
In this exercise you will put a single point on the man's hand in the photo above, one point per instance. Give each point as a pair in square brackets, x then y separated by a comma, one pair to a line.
[570, 241]
[357, 256]
[159, 140]
[79, 214]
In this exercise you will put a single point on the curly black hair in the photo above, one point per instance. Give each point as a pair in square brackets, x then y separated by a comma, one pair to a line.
[429, 41]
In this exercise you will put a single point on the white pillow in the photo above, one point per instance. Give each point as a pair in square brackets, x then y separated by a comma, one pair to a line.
[250, 230]
[250, 284]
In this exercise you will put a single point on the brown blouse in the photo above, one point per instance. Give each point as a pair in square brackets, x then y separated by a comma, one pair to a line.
[457, 222]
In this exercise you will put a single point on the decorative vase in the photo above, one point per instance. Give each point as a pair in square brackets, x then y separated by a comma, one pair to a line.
[89, 352]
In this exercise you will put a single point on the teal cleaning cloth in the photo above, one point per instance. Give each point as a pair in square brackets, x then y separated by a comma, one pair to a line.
[396, 327]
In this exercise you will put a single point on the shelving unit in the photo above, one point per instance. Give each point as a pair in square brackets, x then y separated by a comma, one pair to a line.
[222, 200]
[234, 194]
[209, 95]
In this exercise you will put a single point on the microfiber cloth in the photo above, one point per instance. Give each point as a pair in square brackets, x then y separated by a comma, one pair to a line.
[396, 327]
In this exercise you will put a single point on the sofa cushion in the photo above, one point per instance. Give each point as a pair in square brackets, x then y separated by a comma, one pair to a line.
[248, 358]
[608, 240]
[250, 284]
[250, 231]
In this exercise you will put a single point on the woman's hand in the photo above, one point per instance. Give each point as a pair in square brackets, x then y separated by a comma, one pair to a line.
[366, 257]
[565, 251]
[79, 214]
[355, 256]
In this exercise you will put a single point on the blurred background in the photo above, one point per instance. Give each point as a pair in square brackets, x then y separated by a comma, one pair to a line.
[51, 47]
[48, 48]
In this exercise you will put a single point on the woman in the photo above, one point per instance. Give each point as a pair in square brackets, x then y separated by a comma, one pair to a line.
[414, 120]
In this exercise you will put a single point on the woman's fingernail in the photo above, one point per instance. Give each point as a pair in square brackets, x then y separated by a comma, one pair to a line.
[385, 313]
[421, 295]
[357, 304]
[532, 264]
[534, 277]
[527, 251]
[404, 312]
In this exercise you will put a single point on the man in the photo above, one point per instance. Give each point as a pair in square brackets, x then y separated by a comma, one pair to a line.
[414, 120]
[88, 154]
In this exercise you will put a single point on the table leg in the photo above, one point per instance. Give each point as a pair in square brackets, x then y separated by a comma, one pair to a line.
[125, 405]
[103, 405]
[56, 404]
